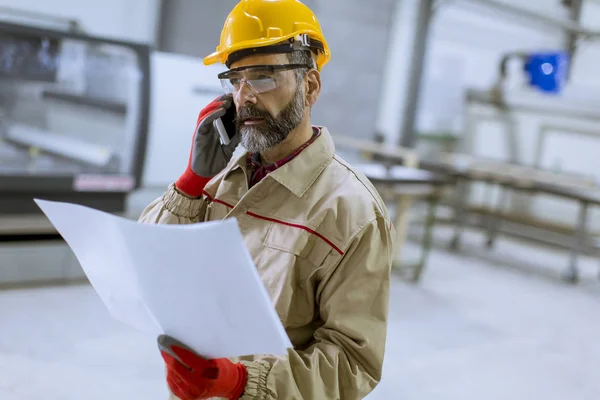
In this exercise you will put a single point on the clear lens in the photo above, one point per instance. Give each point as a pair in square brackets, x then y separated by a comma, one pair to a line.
[258, 85]
[260, 78]
[227, 87]
[262, 85]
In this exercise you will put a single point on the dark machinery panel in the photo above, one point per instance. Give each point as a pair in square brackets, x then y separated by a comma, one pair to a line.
[73, 118]
[28, 56]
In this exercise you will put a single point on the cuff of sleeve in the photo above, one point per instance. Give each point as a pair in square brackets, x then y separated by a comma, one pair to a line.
[192, 184]
[256, 386]
[180, 205]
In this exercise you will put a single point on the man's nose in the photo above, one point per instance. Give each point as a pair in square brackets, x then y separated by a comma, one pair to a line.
[245, 94]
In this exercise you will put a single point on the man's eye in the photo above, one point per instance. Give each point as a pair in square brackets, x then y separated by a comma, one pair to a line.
[234, 81]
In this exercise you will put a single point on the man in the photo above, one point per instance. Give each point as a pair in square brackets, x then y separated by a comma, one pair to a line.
[317, 230]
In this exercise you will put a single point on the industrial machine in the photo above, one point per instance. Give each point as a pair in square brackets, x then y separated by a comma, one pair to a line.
[73, 118]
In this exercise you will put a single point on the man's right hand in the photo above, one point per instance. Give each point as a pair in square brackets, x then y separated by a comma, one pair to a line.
[192, 377]
[208, 156]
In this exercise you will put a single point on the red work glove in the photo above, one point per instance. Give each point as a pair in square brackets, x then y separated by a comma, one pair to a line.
[205, 378]
[208, 156]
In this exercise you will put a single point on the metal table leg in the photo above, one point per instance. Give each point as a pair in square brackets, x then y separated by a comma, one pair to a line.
[487, 219]
[460, 212]
[496, 220]
[403, 204]
[427, 237]
[572, 274]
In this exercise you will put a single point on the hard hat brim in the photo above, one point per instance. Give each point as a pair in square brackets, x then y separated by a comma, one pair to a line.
[212, 58]
[221, 55]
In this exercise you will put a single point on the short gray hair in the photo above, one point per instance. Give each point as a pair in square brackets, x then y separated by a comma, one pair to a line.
[301, 57]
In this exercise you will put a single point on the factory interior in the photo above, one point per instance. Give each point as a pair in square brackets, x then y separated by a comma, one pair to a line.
[478, 121]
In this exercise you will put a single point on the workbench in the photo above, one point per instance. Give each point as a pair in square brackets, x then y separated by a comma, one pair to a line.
[400, 185]
[518, 178]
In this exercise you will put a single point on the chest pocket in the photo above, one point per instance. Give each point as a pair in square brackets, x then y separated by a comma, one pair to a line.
[290, 267]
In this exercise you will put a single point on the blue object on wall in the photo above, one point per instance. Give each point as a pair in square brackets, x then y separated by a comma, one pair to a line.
[547, 71]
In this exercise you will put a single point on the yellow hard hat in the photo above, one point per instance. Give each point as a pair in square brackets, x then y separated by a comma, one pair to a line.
[269, 26]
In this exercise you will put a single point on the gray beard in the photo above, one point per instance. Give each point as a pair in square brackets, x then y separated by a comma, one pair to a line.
[273, 131]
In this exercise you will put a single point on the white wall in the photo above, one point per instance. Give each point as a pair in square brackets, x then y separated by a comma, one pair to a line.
[468, 38]
[181, 87]
[134, 20]
[466, 44]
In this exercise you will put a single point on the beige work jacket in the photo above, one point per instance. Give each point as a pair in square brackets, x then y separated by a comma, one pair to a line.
[321, 240]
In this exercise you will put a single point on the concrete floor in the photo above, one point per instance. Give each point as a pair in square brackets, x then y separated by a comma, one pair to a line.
[477, 327]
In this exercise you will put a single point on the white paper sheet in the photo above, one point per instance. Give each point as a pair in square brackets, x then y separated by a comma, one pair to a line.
[194, 282]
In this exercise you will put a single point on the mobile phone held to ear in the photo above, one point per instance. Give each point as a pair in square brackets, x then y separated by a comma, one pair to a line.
[225, 125]
[220, 128]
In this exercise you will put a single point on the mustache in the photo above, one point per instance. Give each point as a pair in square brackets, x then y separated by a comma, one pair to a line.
[252, 112]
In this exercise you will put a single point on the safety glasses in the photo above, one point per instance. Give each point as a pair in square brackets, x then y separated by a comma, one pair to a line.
[259, 78]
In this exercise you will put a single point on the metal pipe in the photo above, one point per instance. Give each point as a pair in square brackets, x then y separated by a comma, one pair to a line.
[575, 7]
[566, 25]
[425, 14]
[60, 145]
[546, 106]
[71, 23]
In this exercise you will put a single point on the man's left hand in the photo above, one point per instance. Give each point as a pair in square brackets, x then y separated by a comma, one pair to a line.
[204, 378]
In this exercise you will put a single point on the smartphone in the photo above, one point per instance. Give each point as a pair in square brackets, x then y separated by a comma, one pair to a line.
[225, 125]
[218, 124]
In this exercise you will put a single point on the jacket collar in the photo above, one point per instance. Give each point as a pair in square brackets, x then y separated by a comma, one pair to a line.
[299, 174]
[302, 171]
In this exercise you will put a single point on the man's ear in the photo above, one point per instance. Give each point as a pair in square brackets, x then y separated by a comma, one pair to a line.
[313, 86]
